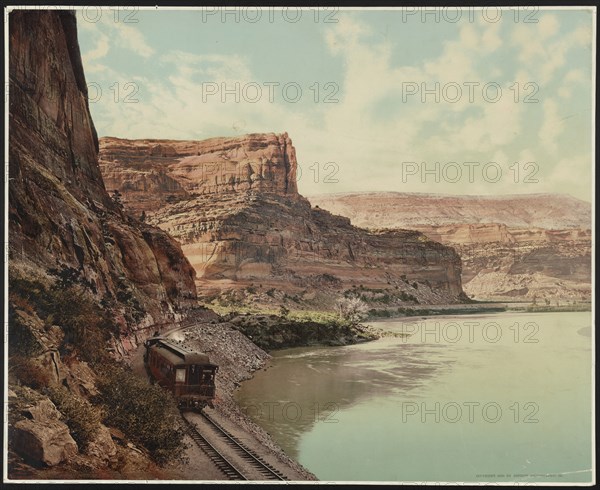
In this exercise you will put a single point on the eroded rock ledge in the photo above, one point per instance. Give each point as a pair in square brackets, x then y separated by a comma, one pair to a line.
[233, 205]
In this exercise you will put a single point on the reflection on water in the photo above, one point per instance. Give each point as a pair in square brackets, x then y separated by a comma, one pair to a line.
[491, 398]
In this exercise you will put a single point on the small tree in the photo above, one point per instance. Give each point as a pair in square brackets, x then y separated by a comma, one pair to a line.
[351, 309]
[284, 311]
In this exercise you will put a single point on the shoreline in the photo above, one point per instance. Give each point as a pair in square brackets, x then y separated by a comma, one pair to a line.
[238, 359]
[393, 313]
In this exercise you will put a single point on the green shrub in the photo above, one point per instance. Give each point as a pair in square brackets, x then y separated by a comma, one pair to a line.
[82, 418]
[146, 413]
[86, 325]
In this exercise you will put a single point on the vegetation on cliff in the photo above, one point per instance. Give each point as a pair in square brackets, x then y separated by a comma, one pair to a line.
[82, 273]
[56, 325]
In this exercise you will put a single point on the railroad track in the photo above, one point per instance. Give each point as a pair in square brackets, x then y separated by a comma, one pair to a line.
[249, 456]
[220, 461]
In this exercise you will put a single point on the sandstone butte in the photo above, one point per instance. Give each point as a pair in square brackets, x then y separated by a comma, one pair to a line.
[233, 205]
[60, 215]
[513, 247]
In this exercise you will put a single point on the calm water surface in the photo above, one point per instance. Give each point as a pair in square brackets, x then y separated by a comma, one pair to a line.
[504, 397]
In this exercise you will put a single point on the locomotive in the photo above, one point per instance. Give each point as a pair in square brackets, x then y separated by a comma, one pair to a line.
[188, 375]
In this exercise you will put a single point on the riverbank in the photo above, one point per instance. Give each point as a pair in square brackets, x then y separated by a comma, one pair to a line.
[271, 332]
[238, 359]
[472, 308]
[436, 310]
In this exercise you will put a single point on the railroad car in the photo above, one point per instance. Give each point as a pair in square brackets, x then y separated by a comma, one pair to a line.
[188, 375]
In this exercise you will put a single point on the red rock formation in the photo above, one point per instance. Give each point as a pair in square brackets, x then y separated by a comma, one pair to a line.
[233, 205]
[515, 247]
[60, 215]
[401, 209]
[152, 173]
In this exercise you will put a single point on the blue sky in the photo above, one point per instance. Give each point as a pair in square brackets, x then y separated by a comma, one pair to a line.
[348, 86]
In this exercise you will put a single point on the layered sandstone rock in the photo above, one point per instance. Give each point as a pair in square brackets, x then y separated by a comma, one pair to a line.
[60, 214]
[401, 209]
[153, 173]
[233, 205]
[512, 247]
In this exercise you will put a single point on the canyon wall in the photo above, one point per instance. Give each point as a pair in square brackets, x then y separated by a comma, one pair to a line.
[60, 216]
[516, 247]
[401, 209]
[233, 205]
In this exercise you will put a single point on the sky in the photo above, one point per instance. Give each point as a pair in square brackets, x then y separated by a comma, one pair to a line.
[453, 101]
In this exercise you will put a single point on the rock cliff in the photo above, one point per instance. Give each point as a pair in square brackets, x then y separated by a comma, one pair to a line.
[152, 173]
[233, 205]
[512, 247]
[83, 274]
[60, 215]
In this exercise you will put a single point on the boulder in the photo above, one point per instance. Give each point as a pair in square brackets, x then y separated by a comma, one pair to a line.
[102, 446]
[48, 442]
[42, 411]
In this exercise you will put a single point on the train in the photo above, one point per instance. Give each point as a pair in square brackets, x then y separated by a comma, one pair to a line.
[188, 375]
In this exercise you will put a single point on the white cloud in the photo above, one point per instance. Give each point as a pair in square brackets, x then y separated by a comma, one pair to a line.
[572, 78]
[131, 38]
[537, 50]
[369, 132]
[552, 126]
[100, 50]
[210, 67]
[574, 174]
[548, 26]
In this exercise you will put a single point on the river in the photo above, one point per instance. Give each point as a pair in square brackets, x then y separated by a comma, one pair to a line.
[495, 397]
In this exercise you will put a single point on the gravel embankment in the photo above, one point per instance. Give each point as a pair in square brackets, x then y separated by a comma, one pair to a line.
[238, 358]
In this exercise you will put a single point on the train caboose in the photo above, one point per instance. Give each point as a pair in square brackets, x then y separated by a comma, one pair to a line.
[188, 375]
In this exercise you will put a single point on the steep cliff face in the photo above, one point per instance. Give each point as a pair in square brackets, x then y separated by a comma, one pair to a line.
[233, 205]
[60, 215]
[152, 173]
[512, 247]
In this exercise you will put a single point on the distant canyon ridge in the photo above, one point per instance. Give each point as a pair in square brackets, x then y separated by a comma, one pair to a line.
[233, 205]
[516, 247]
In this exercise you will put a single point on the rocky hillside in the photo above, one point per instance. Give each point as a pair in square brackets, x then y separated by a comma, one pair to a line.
[82, 272]
[513, 247]
[61, 217]
[233, 205]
